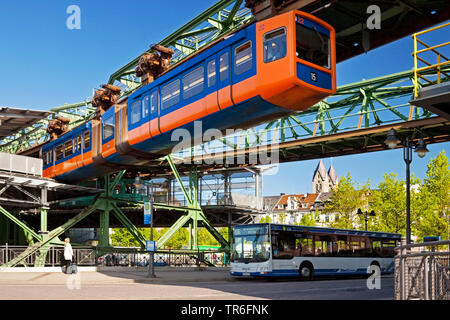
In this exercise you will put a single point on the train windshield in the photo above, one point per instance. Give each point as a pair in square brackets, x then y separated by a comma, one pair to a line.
[313, 46]
[251, 244]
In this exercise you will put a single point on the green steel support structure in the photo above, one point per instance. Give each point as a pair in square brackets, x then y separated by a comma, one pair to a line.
[104, 203]
[193, 213]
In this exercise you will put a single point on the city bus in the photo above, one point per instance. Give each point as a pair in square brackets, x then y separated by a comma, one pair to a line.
[278, 250]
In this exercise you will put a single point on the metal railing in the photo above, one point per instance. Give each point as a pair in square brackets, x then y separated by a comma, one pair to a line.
[441, 60]
[84, 256]
[127, 257]
[170, 258]
[422, 272]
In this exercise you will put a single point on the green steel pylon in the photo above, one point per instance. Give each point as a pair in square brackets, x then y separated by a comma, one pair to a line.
[194, 213]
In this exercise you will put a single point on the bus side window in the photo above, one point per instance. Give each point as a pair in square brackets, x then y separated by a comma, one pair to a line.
[79, 143]
[87, 140]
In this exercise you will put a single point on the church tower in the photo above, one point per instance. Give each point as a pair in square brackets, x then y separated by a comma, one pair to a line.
[323, 180]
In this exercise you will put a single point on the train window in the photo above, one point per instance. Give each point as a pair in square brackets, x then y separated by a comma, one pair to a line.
[59, 152]
[48, 157]
[313, 46]
[154, 102]
[170, 94]
[243, 58]
[68, 148]
[108, 127]
[193, 83]
[79, 143]
[223, 64]
[145, 106]
[211, 73]
[135, 111]
[274, 45]
[87, 140]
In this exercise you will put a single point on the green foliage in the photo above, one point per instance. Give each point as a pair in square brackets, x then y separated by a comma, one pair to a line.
[434, 200]
[389, 203]
[265, 219]
[347, 197]
[281, 217]
[123, 238]
[309, 220]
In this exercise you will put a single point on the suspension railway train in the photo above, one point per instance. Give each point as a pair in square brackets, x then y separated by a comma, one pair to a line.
[263, 71]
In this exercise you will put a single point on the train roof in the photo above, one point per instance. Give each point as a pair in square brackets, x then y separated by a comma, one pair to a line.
[287, 227]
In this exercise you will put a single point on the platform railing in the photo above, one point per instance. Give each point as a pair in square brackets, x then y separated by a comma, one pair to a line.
[120, 257]
[419, 57]
[84, 256]
[422, 271]
[164, 258]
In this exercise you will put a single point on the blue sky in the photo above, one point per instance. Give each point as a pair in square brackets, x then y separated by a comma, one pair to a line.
[43, 65]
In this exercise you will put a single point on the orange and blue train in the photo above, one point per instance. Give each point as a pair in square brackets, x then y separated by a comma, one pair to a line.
[265, 70]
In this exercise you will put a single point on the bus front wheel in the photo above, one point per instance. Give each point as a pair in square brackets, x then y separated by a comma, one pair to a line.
[306, 271]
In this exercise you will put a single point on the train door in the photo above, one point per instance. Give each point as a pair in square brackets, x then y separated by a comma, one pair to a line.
[96, 140]
[86, 153]
[212, 104]
[224, 79]
[78, 148]
[108, 126]
[153, 122]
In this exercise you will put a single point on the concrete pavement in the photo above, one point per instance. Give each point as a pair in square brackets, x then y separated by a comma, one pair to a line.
[179, 284]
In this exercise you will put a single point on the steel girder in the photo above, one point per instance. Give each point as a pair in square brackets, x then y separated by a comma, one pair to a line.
[194, 213]
[221, 18]
[365, 104]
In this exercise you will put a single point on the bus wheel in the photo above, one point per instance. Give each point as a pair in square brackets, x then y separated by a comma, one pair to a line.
[306, 271]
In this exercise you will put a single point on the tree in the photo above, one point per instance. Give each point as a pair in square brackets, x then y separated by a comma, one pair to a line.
[265, 219]
[431, 218]
[309, 220]
[281, 217]
[347, 197]
[389, 203]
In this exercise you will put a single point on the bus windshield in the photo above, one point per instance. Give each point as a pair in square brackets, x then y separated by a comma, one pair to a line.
[313, 46]
[251, 243]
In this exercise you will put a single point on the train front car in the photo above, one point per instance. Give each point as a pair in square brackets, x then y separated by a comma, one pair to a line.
[297, 60]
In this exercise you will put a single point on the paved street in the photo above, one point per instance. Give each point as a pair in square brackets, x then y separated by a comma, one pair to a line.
[181, 285]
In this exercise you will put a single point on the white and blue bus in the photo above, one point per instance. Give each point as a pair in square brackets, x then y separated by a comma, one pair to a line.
[276, 250]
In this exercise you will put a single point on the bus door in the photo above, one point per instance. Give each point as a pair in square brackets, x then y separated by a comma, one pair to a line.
[224, 79]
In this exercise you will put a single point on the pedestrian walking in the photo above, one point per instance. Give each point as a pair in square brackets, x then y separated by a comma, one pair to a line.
[68, 254]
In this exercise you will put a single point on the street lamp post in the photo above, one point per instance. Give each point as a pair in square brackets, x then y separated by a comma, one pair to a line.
[366, 216]
[144, 190]
[421, 149]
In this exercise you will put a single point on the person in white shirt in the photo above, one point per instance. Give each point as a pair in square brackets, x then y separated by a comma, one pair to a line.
[68, 252]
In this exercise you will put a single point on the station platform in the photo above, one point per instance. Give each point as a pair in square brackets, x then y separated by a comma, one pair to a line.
[111, 275]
